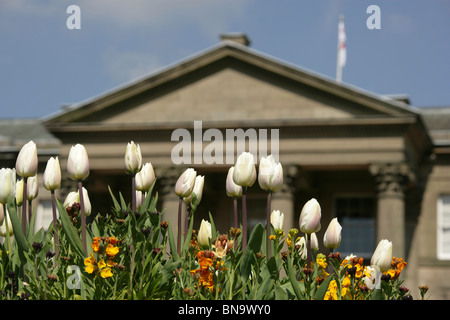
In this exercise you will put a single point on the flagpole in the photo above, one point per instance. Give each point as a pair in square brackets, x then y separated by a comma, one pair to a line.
[341, 42]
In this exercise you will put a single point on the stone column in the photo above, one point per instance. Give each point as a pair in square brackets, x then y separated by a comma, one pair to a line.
[392, 180]
[168, 177]
[283, 200]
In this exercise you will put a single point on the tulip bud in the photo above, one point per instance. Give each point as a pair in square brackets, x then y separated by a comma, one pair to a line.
[32, 188]
[314, 242]
[133, 158]
[19, 192]
[78, 163]
[198, 189]
[7, 184]
[140, 197]
[244, 173]
[185, 183]
[270, 176]
[71, 198]
[277, 219]
[2, 215]
[74, 197]
[233, 190]
[204, 234]
[382, 257]
[27, 160]
[302, 248]
[310, 217]
[52, 174]
[3, 226]
[145, 177]
[332, 237]
[87, 202]
[303, 245]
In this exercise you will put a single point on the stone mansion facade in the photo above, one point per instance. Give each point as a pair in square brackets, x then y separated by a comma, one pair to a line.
[379, 165]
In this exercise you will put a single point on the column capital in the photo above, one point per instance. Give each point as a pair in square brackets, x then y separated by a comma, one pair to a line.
[392, 178]
[168, 177]
[290, 173]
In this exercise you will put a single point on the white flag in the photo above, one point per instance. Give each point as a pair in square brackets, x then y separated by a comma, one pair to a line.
[342, 50]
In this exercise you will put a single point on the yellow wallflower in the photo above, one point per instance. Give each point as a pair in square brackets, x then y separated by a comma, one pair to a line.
[108, 252]
[90, 264]
[111, 251]
[331, 293]
[106, 273]
[96, 244]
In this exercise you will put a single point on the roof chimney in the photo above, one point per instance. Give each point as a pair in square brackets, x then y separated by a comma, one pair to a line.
[240, 38]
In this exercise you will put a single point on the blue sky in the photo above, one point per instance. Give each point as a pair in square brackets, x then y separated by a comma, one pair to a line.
[44, 65]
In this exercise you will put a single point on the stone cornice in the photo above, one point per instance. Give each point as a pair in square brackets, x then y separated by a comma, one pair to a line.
[225, 50]
[392, 178]
[245, 123]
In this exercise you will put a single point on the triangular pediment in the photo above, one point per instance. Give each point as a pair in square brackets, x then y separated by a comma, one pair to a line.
[230, 83]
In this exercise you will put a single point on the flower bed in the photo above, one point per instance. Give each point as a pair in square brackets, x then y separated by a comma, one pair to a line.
[133, 254]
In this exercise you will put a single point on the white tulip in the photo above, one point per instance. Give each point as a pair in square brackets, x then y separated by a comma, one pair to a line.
[204, 234]
[332, 237]
[198, 189]
[52, 174]
[133, 158]
[27, 160]
[382, 257]
[244, 173]
[145, 177]
[185, 183]
[310, 217]
[7, 184]
[233, 190]
[277, 219]
[270, 177]
[78, 163]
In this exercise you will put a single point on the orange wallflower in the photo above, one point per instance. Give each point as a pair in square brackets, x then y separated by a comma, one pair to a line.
[397, 266]
[108, 252]
[96, 244]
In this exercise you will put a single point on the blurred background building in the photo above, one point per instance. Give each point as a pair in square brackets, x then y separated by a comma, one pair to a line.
[379, 165]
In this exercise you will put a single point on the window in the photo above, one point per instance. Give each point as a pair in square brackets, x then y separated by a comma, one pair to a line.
[443, 227]
[44, 214]
[356, 215]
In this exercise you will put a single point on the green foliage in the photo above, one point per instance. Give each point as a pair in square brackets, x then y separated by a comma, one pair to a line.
[147, 265]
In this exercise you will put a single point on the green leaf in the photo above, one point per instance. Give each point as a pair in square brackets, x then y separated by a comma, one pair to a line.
[116, 204]
[213, 226]
[17, 229]
[30, 229]
[189, 235]
[377, 294]
[70, 231]
[149, 202]
[253, 246]
[122, 202]
[320, 293]
[297, 286]
[172, 245]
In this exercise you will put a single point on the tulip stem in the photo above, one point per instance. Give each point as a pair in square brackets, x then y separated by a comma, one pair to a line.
[8, 236]
[83, 216]
[54, 225]
[186, 219]
[308, 250]
[133, 193]
[268, 228]
[235, 203]
[30, 210]
[244, 218]
[24, 205]
[180, 206]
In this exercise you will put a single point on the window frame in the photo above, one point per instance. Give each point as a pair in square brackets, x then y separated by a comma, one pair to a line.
[440, 250]
[350, 195]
